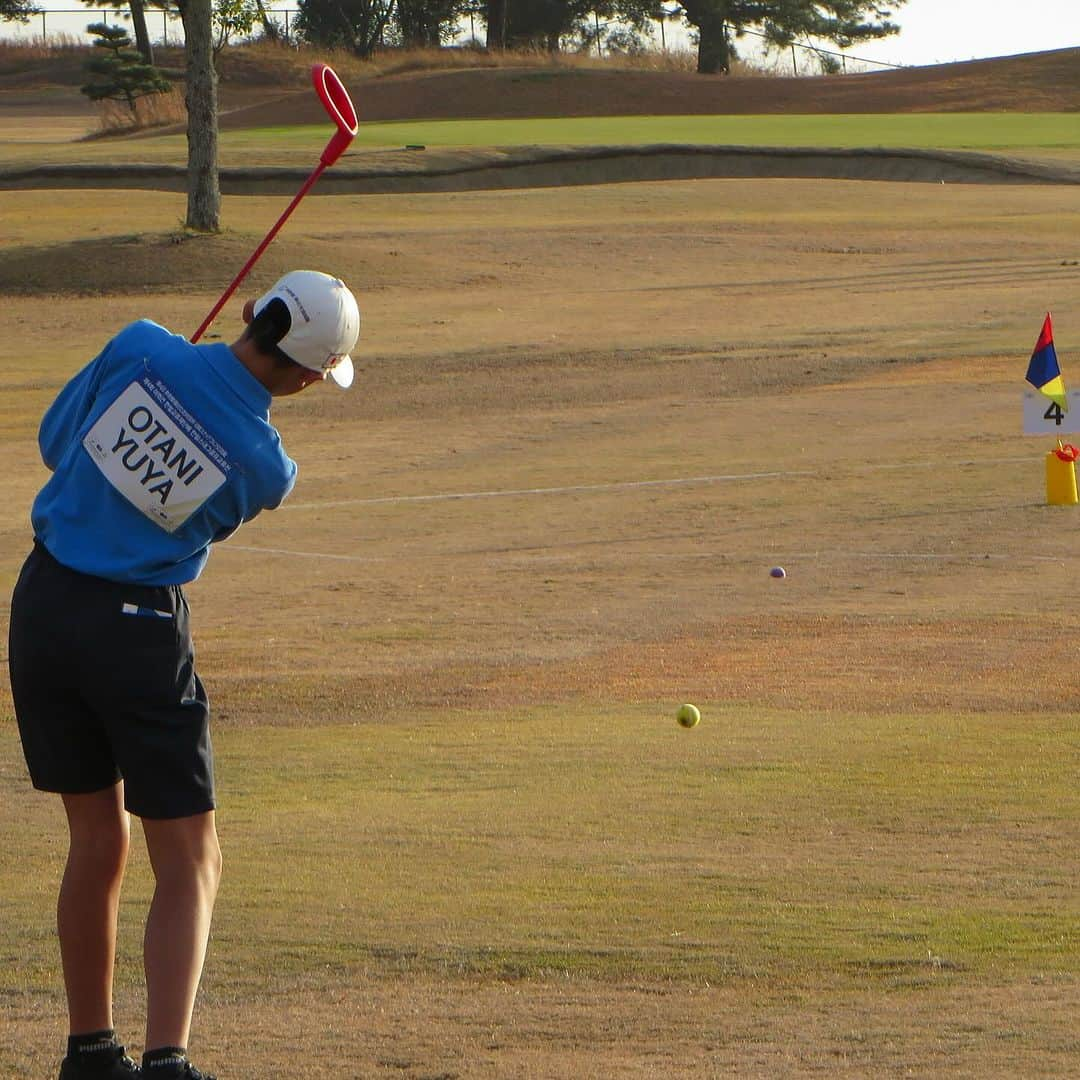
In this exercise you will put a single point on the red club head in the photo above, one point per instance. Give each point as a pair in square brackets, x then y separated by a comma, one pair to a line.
[336, 101]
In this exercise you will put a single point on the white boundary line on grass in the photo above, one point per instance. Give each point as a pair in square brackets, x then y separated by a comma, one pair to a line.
[618, 485]
[624, 485]
[927, 556]
[631, 484]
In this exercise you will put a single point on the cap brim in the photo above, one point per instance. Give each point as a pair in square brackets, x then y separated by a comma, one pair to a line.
[342, 372]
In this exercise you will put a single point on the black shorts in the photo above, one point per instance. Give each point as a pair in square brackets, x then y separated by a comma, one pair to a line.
[104, 684]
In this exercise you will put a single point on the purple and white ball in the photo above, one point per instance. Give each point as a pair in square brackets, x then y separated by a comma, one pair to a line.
[778, 572]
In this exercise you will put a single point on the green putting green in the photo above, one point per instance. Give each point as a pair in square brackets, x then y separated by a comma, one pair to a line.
[1031, 132]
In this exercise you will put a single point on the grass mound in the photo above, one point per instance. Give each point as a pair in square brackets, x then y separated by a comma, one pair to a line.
[143, 263]
[489, 84]
[160, 262]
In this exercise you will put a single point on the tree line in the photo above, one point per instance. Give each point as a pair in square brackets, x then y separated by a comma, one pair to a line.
[362, 26]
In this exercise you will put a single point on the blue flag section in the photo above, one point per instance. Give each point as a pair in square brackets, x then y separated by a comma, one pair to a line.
[1044, 371]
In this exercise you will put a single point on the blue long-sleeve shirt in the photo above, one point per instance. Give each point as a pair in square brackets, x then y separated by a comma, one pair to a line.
[158, 448]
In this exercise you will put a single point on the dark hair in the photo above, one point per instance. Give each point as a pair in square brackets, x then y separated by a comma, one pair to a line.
[268, 327]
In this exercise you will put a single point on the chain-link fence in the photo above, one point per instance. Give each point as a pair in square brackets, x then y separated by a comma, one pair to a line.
[68, 25]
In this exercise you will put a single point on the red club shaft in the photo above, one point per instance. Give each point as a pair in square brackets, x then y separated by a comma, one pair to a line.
[254, 257]
[339, 107]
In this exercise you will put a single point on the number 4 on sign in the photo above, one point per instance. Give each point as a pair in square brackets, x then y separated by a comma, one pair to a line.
[1044, 417]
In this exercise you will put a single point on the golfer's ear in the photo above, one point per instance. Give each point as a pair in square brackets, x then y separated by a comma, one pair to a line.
[249, 311]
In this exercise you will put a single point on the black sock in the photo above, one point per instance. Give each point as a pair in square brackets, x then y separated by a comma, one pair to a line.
[84, 1047]
[164, 1057]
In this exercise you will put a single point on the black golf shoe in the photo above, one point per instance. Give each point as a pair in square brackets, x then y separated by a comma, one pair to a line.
[112, 1064]
[174, 1071]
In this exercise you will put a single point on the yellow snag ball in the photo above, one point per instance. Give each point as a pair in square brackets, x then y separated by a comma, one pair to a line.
[688, 715]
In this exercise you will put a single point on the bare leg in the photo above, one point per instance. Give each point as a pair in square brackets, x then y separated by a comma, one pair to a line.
[186, 858]
[89, 901]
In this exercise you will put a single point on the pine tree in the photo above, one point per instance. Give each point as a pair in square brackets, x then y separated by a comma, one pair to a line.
[137, 11]
[122, 74]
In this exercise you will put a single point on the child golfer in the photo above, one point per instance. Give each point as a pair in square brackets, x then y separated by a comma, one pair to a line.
[158, 448]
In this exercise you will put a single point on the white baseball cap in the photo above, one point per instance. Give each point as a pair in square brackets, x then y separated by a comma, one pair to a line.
[325, 322]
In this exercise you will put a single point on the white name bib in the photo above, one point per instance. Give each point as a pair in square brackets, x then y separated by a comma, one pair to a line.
[156, 454]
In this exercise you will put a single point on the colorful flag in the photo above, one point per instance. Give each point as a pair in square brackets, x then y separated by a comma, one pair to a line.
[1044, 372]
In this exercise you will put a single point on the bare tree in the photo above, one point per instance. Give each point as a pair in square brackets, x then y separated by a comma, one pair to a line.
[142, 34]
[138, 22]
[269, 26]
[204, 195]
[496, 25]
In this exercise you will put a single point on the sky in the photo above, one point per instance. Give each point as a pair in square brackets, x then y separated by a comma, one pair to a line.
[940, 31]
[932, 31]
[937, 31]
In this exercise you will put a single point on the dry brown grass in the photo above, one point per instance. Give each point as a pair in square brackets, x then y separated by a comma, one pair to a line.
[151, 111]
[53, 47]
[455, 804]
[269, 64]
[396, 62]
